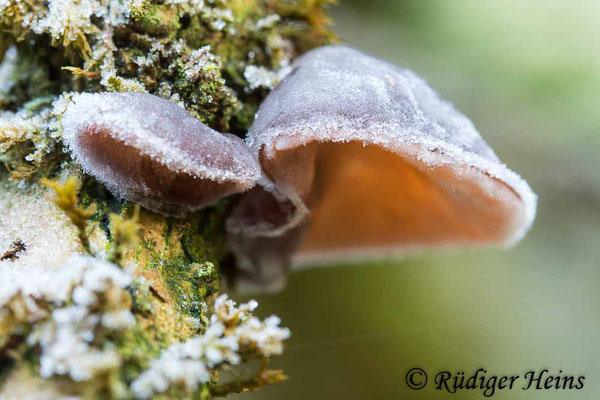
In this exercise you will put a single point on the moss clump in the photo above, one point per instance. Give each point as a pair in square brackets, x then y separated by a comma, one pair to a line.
[186, 260]
[158, 20]
[190, 285]
[136, 348]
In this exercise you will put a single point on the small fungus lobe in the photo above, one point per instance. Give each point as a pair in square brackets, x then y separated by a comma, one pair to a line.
[149, 150]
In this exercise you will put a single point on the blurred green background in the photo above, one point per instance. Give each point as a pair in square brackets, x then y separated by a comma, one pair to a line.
[527, 72]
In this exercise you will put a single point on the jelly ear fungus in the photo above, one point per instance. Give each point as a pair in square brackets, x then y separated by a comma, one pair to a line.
[360, 159]
[151, 151]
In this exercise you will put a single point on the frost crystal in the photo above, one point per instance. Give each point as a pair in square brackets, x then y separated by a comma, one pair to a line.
[7, 69]
[192, 7]
[67, 18]
[232, 331]
[66, 335]
[109, 77]
[262, 77]
[219, 17]
[267, 21]
[25, 125]
[66, 349]
[199, 62]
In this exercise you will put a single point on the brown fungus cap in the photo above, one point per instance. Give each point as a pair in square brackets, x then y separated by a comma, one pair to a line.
[150, 150]
[364, 158]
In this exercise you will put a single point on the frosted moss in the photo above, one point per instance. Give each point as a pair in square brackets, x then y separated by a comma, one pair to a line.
[217, 60]
[66, 317]
[233, 336]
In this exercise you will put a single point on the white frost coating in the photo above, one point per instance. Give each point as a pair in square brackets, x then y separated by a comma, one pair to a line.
[66, 17]
[219, 17]
[262, 77]
[161, 130]
[199, 62]
[80, 278]
[66, 334]
[49, 241]
[232, 329]
[25, 125]
[7, 69]
[72, 19]
[268, 21]
[338, 94]
[66, 337]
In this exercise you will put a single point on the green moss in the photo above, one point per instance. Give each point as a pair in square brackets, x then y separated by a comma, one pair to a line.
[204, 239]
[197, 78]
[189, 285]
[93, 192]
[137, 348]
[185, 253]
[141, 302]
[6, 366]
[158, 20]
[30, 357]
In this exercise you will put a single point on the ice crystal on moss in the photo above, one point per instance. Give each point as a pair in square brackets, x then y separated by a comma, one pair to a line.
[67, 337]
[67, 19]
[7, 69]
[27, 134]
[258, 77]
[66, 349]
[70, 312]
[191, 7]
[268, 21]
[75, 288]
[232, 331]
